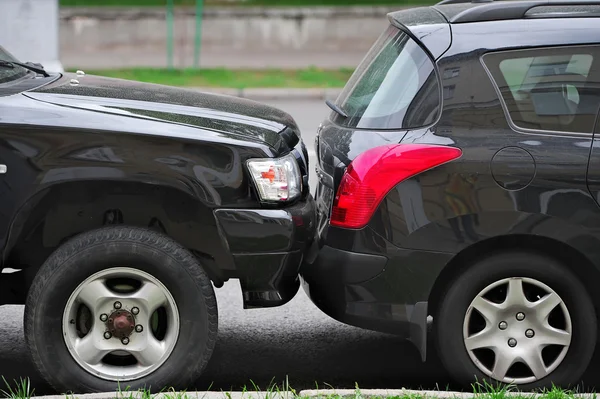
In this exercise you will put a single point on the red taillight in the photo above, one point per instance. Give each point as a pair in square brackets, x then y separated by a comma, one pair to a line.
[375, 172]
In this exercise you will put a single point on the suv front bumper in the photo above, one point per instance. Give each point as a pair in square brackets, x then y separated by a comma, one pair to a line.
[267, 247]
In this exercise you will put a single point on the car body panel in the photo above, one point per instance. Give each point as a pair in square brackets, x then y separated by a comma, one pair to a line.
[230, 116]
[107, 151]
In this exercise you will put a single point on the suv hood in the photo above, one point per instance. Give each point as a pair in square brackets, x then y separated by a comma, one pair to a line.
[245, 118]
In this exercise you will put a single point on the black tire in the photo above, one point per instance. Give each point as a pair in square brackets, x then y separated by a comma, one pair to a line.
[101, 249]
[448, 322]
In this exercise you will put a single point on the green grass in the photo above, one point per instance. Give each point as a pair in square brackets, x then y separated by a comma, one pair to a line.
[23, 390]
[303, 3]
[238, 79]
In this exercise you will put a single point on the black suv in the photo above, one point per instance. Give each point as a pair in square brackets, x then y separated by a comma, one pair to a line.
[459, 186]
[123, 204]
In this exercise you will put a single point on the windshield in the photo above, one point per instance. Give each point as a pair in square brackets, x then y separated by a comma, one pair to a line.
[9, 74]
[394, 87]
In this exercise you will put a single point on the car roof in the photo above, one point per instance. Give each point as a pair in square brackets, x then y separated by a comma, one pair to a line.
[465, 11]
[496, 22]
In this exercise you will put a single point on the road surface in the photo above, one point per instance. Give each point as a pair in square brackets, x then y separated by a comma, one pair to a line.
[266, 345]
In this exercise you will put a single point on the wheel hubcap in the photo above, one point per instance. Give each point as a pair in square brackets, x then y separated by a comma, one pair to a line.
[517, 330]
[121, 324]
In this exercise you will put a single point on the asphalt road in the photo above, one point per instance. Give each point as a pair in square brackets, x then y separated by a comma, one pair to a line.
[267, 345]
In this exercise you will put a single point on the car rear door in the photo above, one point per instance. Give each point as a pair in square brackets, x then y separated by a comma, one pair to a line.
[593, 175]
[592, 90]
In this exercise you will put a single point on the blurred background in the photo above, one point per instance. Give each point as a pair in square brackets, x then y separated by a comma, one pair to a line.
[199, 43]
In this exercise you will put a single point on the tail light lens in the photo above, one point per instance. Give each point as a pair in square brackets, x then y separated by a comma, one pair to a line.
[372, 174]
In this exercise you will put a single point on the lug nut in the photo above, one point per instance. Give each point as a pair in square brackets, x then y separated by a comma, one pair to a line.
[529, 333]
[117, 305]
[503, 325]
[520, 316]
[139, 328]
[103, 317]
[135, 310]
[125, 341]
[107, 335]
[512, 342]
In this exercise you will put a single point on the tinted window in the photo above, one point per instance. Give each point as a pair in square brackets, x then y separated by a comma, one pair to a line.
[395, 86]
[549, 89]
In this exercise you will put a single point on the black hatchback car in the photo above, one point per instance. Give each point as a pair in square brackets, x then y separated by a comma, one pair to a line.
[459, 187]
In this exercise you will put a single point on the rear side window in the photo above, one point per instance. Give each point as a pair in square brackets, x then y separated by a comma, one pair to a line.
[394, 87]
[553, 89]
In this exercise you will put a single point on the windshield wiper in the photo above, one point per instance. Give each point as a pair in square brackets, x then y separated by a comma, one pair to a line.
[37, 68]
[337, 109]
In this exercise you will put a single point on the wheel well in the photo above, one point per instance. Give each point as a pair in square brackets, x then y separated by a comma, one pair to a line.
[587, 273]
[72, 209]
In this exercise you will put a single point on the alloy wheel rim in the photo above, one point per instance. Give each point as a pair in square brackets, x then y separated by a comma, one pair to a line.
[120, 324]
[517, 330]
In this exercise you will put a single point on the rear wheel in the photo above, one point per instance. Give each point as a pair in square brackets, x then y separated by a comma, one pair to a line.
[516, 318]
[120, 307]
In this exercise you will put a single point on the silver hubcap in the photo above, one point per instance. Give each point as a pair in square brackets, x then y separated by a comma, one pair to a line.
[120, 324]
[517, 330]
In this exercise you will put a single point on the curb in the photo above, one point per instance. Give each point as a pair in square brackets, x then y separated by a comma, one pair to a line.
[416, 394]
[319, 393]
[285, 12]
[175, 395]
[274, 93]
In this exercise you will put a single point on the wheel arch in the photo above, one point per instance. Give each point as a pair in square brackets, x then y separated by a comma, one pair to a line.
[586, 271]
[62, 211]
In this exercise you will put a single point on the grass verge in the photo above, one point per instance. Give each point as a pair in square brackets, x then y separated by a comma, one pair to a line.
[241, 3]
[23, 390]
[237, 79]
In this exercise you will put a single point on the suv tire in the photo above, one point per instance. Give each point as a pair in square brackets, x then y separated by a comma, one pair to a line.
[166, 270]
[516, 329]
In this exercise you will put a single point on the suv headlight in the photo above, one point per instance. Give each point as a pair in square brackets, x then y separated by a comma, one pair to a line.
[276, 179]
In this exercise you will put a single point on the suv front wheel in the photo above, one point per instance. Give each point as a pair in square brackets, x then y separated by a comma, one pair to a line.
[120, 307]
[516, 318]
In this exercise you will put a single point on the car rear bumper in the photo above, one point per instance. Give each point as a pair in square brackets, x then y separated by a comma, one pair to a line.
[363, 290]
[340, 283]
[267, 247]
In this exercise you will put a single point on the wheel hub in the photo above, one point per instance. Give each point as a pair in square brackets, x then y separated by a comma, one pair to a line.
[121, 323]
